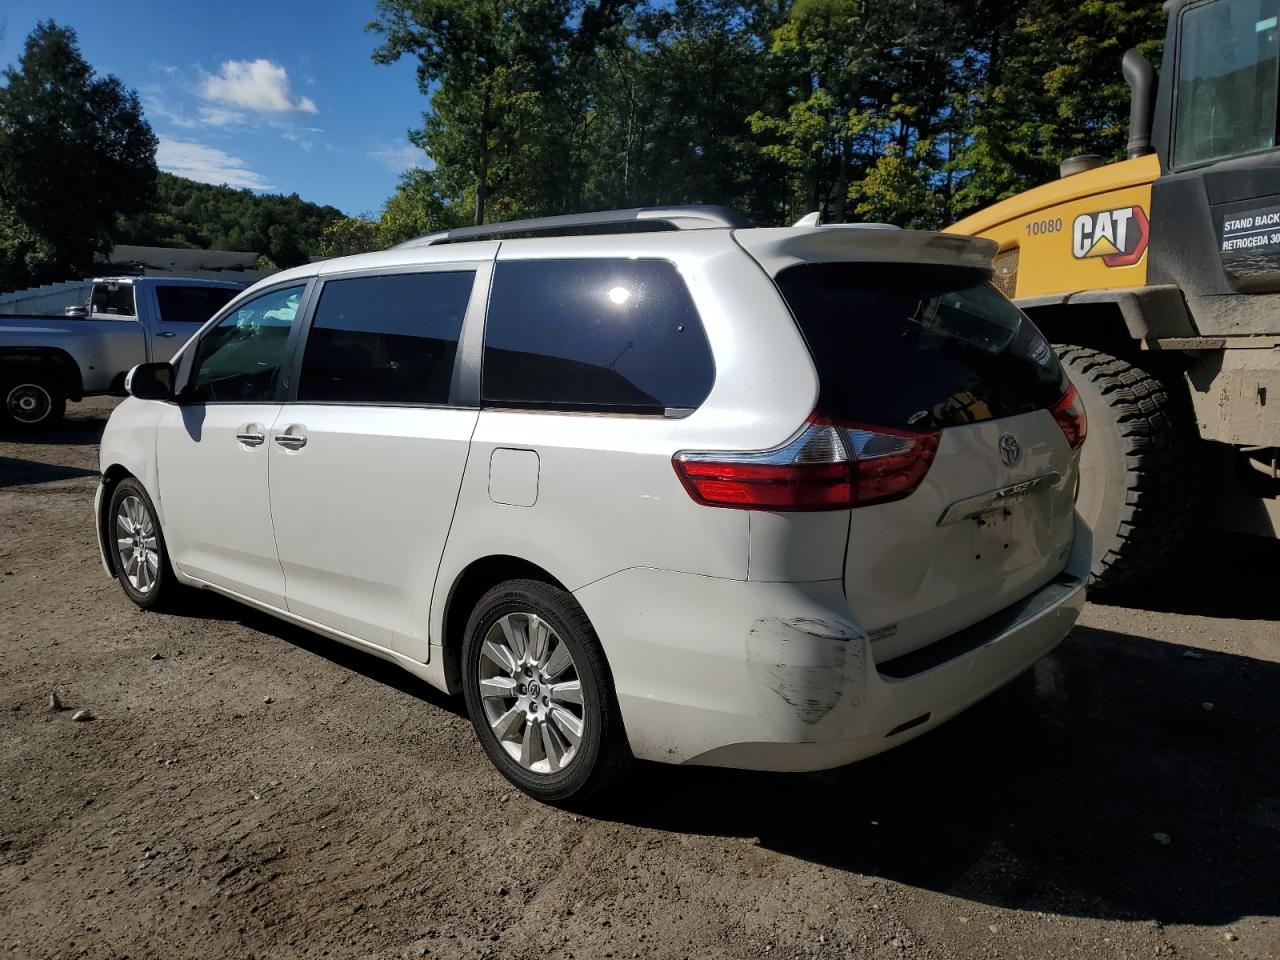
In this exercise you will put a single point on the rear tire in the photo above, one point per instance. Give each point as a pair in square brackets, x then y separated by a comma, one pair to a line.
[31, 401]
[1137, 468]
[544, 711]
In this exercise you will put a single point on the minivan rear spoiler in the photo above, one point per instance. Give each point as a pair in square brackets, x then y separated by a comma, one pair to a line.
[775, 249]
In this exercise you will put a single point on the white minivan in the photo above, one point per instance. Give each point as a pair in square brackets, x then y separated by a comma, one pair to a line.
[638, 484]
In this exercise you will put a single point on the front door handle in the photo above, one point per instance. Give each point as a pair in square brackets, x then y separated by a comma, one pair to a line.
[167, 334]
[290, 441]
[251, 439]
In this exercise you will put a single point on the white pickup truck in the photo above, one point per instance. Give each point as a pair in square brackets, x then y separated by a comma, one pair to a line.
[46, 361]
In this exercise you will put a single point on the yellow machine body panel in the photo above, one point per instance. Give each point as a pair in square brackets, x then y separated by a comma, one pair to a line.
[1089, 231]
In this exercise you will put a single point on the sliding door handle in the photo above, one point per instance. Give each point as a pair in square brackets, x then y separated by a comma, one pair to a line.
[290, 441]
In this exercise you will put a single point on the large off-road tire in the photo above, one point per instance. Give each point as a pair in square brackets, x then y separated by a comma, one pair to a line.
[1137, 468]
[30, 401]
[540, 694]
[132, 533]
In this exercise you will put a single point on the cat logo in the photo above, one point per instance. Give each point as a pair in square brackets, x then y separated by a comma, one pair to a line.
[1118, 237]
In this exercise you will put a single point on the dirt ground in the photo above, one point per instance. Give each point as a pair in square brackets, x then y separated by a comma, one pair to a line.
[251, 790]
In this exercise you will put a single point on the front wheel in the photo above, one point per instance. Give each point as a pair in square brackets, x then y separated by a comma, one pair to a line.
[540, 694]
[137, 547]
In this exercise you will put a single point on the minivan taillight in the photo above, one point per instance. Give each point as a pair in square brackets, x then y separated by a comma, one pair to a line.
[828, 465]
[1069, 412]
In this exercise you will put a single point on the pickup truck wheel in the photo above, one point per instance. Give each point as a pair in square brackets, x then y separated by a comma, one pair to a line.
[32, 402]
[137, 547]
[540, 694]
[1137, 469]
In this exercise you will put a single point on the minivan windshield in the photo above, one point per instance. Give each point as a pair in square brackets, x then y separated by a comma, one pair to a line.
[911, 346]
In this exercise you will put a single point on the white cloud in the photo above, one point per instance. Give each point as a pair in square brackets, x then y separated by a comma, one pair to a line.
[402, 158]
[302, 137]
[199, 161]
[257, 85]
[220, 117]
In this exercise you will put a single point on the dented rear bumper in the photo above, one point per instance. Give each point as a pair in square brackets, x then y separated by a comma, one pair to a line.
[780, 676]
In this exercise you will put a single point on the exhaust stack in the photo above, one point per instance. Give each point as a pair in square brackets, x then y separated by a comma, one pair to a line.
[1141, 78]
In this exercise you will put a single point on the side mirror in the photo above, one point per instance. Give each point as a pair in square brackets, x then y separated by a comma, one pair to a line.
[79, 311]
[150, 381]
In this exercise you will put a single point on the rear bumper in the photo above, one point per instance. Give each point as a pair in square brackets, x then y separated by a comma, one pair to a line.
[778, 676]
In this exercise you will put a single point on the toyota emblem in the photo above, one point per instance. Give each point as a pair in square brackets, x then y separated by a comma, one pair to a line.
[1010, 451]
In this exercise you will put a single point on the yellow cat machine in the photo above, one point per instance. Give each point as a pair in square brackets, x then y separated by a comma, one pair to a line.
[1159, 278]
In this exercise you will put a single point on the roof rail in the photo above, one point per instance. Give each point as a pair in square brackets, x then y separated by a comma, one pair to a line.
[685, 217]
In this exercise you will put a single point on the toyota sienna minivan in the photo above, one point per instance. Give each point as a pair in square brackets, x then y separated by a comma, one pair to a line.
[639, 484]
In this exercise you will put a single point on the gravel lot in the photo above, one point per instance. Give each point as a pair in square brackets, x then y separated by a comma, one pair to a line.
[251, 790]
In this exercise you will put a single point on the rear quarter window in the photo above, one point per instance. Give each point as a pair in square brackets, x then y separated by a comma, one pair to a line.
[616, 335]
[910, 346]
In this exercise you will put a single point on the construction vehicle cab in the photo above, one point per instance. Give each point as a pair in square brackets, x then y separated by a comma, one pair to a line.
[1159, 277]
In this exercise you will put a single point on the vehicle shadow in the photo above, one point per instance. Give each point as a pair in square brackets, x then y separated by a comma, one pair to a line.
[1103, 788]
[80, 428]
[207, 605]
[1216, 575]
[18, 472]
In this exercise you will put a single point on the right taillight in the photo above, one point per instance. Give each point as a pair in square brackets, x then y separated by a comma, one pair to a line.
[1069, 412]
[828, 465]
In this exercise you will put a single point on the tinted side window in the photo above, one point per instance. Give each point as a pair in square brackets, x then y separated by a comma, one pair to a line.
[191, 304]
[237, 361]
[389, 339]
[616, 335]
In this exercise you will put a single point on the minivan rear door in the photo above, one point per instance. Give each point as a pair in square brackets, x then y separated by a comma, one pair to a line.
[930, 346]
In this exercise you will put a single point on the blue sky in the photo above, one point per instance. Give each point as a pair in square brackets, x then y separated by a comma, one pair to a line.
[279, 95]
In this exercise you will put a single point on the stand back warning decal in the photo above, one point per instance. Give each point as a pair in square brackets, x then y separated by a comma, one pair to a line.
[1117, 237]
[1251, 247]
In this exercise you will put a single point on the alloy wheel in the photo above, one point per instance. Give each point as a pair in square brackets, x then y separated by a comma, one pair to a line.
[532, 693]
[137, 547]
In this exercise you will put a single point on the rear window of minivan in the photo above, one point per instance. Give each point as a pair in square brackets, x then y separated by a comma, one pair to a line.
[924, 347]
[600, 335]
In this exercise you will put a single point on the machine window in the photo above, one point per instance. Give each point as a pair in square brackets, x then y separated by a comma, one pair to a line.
[1228, 64]
[239, 359]
[388, 339]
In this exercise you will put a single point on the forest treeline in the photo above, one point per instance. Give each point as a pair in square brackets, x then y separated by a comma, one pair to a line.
[284, 229]
[913, 112]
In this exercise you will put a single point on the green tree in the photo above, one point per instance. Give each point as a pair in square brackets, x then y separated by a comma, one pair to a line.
[868, 81]
[418, 207]
[350, 235]
[75, 153]
[505, 97]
